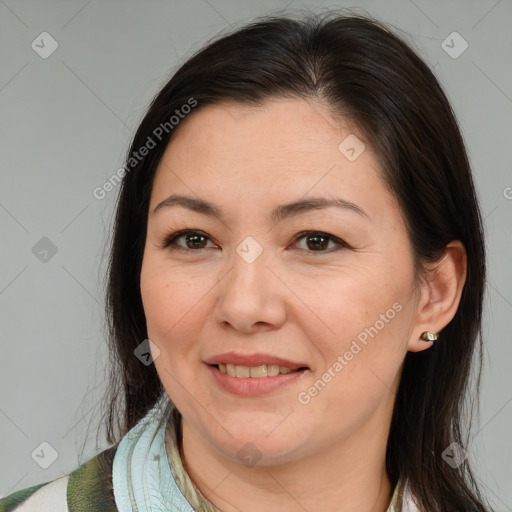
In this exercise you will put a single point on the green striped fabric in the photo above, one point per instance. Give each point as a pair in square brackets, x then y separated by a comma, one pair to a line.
[11, 502]
[89, 487]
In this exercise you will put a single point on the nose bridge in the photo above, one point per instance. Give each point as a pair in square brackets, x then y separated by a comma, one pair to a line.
[250, 251]
[249, 274]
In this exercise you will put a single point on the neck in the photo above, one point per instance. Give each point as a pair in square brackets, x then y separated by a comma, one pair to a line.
[347, 476]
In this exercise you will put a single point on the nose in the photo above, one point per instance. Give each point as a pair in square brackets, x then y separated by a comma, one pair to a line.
[250, 297]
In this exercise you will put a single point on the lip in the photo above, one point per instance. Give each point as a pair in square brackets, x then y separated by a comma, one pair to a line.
[251, 386]
[253, 360]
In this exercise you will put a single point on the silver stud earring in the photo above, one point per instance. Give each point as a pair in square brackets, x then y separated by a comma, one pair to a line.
[429, 336]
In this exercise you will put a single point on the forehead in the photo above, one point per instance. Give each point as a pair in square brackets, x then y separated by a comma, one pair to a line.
[288, 129]
[283, 148]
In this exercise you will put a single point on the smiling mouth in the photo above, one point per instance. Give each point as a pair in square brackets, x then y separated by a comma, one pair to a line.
[255, 372]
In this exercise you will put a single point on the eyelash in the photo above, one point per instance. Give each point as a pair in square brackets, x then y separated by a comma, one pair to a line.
[169, 240]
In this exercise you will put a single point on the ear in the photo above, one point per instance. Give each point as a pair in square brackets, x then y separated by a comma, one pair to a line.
[440, 293]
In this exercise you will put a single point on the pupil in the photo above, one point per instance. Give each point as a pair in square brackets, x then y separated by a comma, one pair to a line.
[316, 244]
[196, 240]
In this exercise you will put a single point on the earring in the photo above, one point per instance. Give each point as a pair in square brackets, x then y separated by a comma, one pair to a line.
[429, 336]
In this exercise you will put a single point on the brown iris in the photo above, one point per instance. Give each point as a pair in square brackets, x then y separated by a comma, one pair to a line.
[196, 240]
[319, 242]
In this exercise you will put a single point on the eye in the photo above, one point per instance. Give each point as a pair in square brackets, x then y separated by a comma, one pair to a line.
[194, 239]
[318, 241]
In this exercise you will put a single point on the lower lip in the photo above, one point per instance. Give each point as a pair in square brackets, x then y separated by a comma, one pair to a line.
[254, 387]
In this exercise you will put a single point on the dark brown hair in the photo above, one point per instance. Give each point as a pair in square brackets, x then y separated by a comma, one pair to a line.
[364, 72]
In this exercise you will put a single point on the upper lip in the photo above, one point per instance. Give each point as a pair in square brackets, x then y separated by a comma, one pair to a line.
[253, 360]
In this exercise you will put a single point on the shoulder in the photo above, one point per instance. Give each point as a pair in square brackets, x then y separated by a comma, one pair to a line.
[88, 488]
[44, 497]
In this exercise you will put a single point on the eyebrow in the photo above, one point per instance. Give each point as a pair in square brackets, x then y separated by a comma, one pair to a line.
[278, 214]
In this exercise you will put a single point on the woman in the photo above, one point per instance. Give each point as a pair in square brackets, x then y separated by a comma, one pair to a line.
[295, 286]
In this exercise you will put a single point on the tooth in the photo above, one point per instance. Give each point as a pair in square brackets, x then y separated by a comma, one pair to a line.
[272, 370]
[243, 371]
[256, 372]
[259, 371]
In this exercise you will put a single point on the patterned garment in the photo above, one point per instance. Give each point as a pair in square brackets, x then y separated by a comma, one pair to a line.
[141, 473]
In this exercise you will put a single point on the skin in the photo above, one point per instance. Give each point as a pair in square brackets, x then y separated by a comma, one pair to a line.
[294, 301]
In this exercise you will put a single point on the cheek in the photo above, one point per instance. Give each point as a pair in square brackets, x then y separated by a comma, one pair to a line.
[173, 305]
[346, 305]
[364, 317]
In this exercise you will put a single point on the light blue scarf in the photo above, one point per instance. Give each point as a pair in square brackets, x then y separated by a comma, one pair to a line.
[142, 478]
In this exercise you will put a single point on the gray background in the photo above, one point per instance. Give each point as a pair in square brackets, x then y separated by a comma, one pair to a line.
[66, 123]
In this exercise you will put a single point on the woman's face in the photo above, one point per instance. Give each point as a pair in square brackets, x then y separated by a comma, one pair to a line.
[340, 301]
